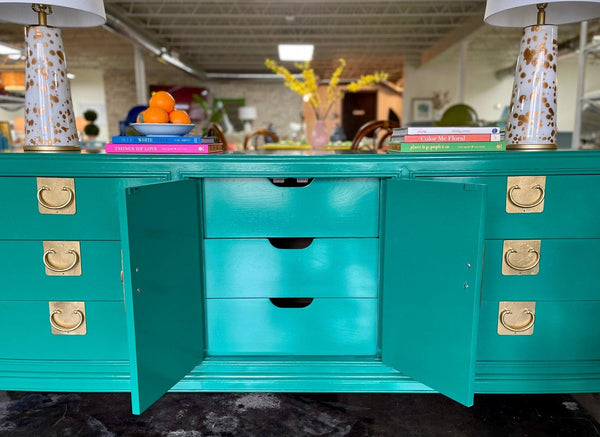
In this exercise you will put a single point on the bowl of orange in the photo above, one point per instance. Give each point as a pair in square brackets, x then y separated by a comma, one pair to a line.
[162, 119]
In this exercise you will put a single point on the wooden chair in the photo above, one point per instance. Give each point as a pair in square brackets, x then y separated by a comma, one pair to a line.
[214, 130]
[258, 133]
[370, 128]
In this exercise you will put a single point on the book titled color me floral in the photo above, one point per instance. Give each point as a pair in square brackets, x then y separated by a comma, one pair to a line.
[173, 149]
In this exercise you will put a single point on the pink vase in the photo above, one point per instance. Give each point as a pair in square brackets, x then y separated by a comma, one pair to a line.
[320, 139]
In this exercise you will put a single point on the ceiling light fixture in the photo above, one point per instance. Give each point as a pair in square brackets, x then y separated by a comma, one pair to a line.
[5, 49]
[296, 52]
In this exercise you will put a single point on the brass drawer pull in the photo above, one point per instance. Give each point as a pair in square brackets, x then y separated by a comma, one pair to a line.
[49, 265]
[48, 206]
[529, 266]
[521, 328]
[62, 328]
[526, 205]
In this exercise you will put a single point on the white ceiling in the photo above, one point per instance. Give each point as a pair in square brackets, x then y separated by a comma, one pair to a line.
[235, 36]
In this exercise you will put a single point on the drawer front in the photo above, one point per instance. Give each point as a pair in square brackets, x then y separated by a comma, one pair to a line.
[96, 215]
[256, 207]
[25, 278]
[562, 331]
[567, 270]
[25, 333]
[327, 267]
[571, 208]
[324, 327]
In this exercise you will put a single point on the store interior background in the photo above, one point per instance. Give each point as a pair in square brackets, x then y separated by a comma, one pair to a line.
[103, 64]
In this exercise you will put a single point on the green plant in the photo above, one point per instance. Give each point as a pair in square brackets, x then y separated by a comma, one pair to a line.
[91, 130]
[215, 111]
[90, 115]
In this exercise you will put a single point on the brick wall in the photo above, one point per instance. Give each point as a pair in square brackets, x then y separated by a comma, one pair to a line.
[114, 55]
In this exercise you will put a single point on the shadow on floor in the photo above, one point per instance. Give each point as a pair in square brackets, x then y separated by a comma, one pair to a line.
[30, 414]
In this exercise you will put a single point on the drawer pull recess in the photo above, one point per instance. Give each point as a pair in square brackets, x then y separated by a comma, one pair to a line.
[539, 200]
[291, 302]
[48, 206]
[291, 182]
[49, 265]
[62, 328]
[291, 243]
[529, 266]
[521, 328]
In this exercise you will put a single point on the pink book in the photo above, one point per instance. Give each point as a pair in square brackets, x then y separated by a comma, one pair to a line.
[174, 149]
[450, 138]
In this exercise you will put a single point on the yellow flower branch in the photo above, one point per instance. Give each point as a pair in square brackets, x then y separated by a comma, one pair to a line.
[307, 87]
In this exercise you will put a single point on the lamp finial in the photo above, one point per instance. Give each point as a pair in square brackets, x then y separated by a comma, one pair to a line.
[43, 11]
[541, 15]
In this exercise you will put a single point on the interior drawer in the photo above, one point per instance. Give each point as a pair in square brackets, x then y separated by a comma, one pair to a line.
[562, 330]
[96, 209]
[25, 276]
[262, 207]
[259, 327]
[292, 267]
[567, 270]
[25, 333]
[571, 208]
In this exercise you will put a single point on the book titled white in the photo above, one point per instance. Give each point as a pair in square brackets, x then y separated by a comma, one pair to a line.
[447, 130]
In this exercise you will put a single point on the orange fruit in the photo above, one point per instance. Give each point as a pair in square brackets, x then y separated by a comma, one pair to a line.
[140, 117]
[179, 116]
[163, 100]
[154, 115]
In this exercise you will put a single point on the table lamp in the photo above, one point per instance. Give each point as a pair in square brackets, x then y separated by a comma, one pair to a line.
[49, 116]
[247, 114]
[531, 123]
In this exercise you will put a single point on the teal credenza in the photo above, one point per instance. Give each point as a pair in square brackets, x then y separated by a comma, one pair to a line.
[456, 273]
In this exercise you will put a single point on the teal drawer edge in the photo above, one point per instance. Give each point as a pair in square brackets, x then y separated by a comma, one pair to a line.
[227, 375]
[537, 376]
[64, 375]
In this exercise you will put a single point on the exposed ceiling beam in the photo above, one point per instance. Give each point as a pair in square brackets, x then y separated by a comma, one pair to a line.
[471, 25]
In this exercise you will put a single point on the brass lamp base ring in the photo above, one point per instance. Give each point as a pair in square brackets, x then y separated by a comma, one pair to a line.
[52, 149]
[531, 146]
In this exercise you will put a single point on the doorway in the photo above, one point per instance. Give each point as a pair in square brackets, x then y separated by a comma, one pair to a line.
[357, 109]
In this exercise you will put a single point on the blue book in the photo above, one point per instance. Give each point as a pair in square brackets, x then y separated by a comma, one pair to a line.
[157, 139]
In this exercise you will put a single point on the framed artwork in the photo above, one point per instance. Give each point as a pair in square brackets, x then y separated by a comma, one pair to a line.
[422, 109]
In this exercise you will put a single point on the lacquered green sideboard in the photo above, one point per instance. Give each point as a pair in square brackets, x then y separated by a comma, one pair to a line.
[456, 273]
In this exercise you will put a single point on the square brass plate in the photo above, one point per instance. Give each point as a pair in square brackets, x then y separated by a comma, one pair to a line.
[525, 194]
[62, 258]
[521, 257]
[56, 195]
[67, 318]
[516, 318]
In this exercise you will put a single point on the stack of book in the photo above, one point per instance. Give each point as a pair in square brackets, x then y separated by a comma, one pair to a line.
[446, 139]
[164, 145]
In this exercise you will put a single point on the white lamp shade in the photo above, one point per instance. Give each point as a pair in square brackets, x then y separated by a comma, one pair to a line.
[247, 113]
[522, 13]
[80, 13]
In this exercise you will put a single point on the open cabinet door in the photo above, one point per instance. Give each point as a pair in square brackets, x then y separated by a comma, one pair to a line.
[163, 286]
[433, 249]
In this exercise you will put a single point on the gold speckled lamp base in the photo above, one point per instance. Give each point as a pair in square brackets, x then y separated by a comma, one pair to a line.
[49, 118]
[531, 123]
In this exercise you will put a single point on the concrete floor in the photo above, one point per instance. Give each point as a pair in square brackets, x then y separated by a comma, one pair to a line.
[288, 415]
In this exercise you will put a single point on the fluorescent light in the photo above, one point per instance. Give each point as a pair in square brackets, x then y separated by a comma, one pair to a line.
[8, 50]
[296, 52]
